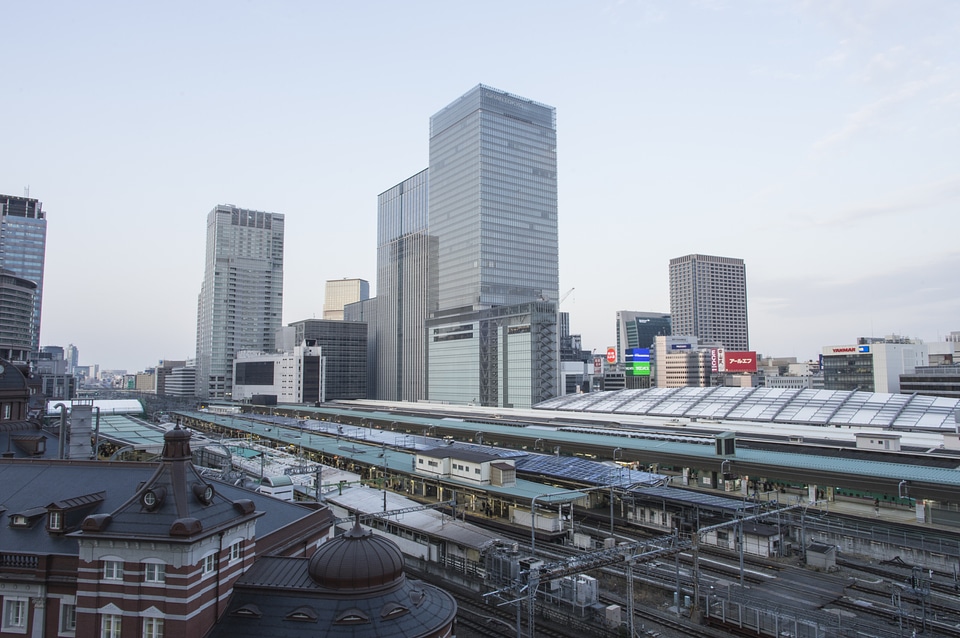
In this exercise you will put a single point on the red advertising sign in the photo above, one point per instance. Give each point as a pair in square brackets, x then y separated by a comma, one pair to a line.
[598, 365]
[740, 361]
[611, 355]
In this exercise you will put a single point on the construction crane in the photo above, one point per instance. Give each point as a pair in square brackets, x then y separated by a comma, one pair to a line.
[564, 297]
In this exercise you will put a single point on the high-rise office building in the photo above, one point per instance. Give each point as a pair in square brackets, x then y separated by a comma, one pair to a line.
[406, 289]
[23, 245]
[639, 329]
[343, 346]
[16, 317]
[340, 292]
[72, 355]
[493, 200]
[241, 298]
[493, 211]
[708, 299]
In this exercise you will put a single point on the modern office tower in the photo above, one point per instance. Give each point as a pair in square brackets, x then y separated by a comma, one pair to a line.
[72, 356]
[340, 292]
[708, 299]
[639, 329]
[343, 346]
[504, 356]
[23, 245]
[241, 298]
[493, 200]
[181, 382]
[493, 211]
[366, 312]
[16, 316]
[406, 289]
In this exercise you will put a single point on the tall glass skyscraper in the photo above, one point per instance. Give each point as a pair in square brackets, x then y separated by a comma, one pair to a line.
[241, 299]
[23, 246]
[708, 300]
[406, 289]
[493, 212]
[493, 200]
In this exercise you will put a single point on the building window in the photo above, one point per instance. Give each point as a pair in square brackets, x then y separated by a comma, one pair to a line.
[209, 564]
[6, 411]
[110, 626]
[113, 570]
[15, 615]
[55, 521]
[236, 551]
[68, 618]
[154, 572]
[153, 628]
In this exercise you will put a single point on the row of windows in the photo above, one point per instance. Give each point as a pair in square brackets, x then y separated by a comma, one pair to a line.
[110, 627]
[157, 572]
[15, 613]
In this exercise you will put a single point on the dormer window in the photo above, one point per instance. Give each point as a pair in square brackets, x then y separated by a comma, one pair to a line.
[55, 521]
[302, 614]
[204, 492]
[352, 617]
[19, 520]
[151, 499]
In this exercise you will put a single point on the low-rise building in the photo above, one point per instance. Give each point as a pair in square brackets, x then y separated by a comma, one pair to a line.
[296, 376]
[467, 465]
[937, 381]
[872, 365]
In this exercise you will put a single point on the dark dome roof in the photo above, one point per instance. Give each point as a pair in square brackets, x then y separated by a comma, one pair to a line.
[357, 561]
[11, 377]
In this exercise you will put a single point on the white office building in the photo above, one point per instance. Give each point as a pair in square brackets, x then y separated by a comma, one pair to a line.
[288, 377]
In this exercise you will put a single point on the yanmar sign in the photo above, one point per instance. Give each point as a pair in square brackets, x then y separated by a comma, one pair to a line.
[740, 361]
[842, 349]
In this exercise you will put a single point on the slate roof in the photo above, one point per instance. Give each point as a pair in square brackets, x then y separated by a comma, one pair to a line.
[276, 597]
[34, 484]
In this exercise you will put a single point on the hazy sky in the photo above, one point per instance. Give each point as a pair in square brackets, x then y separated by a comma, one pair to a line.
[818, 141]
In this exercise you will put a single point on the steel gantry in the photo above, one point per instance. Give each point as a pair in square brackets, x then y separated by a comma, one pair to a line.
[627, 554]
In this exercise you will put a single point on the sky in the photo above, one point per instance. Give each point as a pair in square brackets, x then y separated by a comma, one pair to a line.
[818, 141]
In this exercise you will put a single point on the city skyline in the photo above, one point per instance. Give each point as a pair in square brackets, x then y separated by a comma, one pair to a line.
[815, 141]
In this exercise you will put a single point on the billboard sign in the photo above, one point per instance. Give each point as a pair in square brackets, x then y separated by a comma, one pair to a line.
[611, 355]
[714, 360]
[863, 349]
[680, 346]
[740, 361]
[598, 365]
[638, 362]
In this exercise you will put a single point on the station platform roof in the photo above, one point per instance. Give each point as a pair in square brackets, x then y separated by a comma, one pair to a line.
[428, 521]
[369, 446]
[930, 476]
[771, 405]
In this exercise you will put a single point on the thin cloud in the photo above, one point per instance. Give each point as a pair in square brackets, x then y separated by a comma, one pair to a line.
[867, 117]
[917, 199]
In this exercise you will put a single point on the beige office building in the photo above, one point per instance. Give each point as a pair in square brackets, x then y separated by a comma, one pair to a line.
[340, 292]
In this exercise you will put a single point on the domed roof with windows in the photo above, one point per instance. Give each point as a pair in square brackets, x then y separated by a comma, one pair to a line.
[353, 585]
[357, 561]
